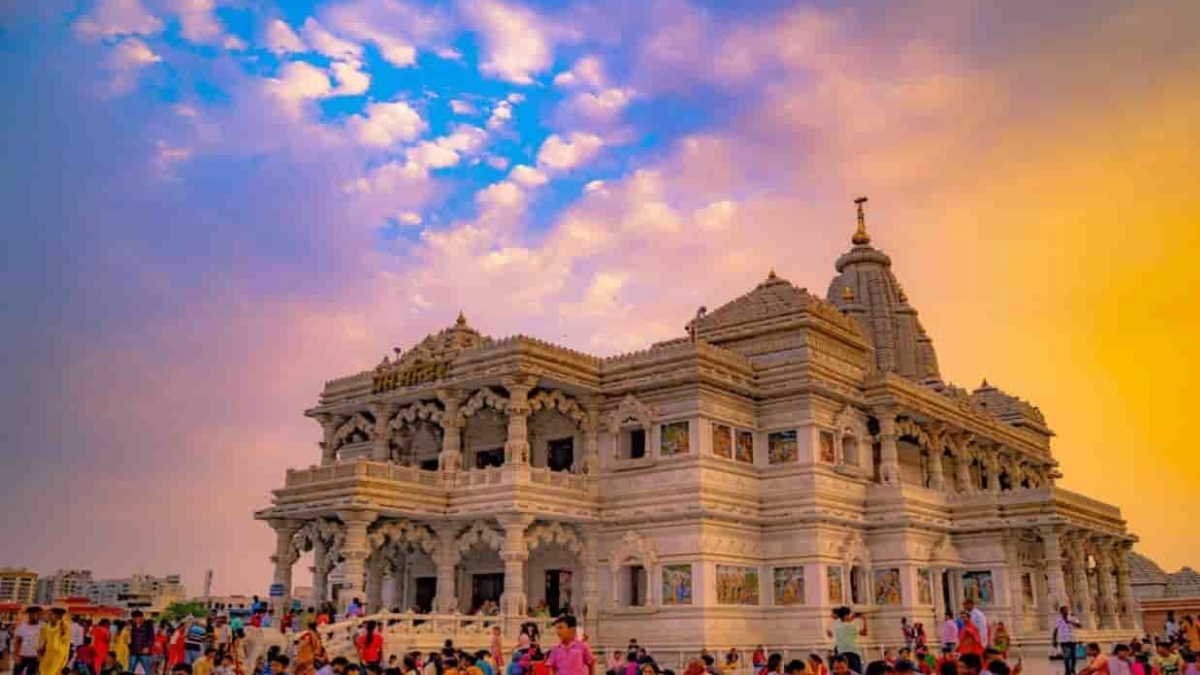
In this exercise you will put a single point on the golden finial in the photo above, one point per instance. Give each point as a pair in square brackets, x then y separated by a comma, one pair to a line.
[848, 294]
[461, 321]
[861, 238]
[771, 274]
[901, 294]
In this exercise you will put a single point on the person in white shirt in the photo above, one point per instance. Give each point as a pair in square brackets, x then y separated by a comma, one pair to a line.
[76, 636]
[1064, 635]
[1120, 663]
[979, 619]
[27, 643]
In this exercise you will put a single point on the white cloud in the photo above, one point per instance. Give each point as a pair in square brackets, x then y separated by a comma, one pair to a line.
[594, 187]
[500, 114]
[166, 157]
[603, 106]
[515, 39]
[527, 176]
[351, 79]
[497, 162]
[329, 44]
[197, 21]
[387, 124]
[464, 138]
[587, 72]
[389, 178]
[515, 97]
[409, 218]
[395, 27]
[447, 150]
[448, 53]
[716, 216]
[564, 154]
[234, 43]
[602, 297]
[281, 39]
[125, 61]
[111, 18]
[299, 81]
[502, 196]
[459, 107]
[432, 155]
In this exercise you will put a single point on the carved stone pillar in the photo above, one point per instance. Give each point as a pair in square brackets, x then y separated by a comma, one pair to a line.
[381, 450]
[1082, 602]
[329, 424]
[962, 465]
[450, 459]
[591, 579]
[1056, 583]
[376, 566]
[1130, 617]
[354, 553]
[937, 475]
[516, 449]
[1106, 583]
[284, 558]
[320, 572]
[446, 558]
[991, 464]
[889, 470]
[591, 429]
[515, 552]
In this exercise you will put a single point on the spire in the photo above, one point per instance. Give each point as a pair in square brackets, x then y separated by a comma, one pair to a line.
[461, 321]
[861, 238]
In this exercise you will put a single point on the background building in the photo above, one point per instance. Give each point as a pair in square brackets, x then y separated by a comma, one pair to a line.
[1158, 592]
[146, 592]
[64, 583]
[17, 585]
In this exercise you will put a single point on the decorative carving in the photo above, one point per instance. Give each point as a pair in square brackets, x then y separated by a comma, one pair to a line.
[478, 533]
[402, 533]
[360, 423]
[421, 410]
[554, 533]
[484, 398]
[633, 547]
[853, 551]
[630, 411]
[556, 400]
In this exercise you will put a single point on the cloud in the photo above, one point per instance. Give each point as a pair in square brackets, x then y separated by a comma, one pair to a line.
[300, 81]
[564, 154]
[587, 72]
[281, 39]
[396, 28]
[716, 216]
[497, 162]
[126, 61]
[328, 44]
[166, 157]
[500, 114]
[459, 107]
[527, 176]
[601, 107]
[409, 218]
[112, 18]
[516, 40]
[197, 21]
[351, 79]
[387, 124]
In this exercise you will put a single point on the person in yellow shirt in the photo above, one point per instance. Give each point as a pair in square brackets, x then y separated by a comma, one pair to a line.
[121, 644]
[204, 664]
[56, 643]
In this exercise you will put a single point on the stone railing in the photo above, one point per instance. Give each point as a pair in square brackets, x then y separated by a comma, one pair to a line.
[411, 630]
[501, 475]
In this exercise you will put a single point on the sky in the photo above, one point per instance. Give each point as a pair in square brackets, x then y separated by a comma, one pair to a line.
[211, 207]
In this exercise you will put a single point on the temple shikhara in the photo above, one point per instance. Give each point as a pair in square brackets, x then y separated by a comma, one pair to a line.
[787, 454]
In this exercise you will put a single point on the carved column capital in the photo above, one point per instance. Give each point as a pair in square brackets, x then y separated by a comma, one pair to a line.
[519, 384]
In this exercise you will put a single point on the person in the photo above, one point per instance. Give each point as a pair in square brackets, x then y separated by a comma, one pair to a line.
[101, 638]
[1166, 661]
[496, 647]
[615, 663]
[816, 665]
[759, 658]
[308, 650]
[571, 656]
[1001, 640]
[1189, 633]
[910, 635]
[1064, 637]
[924, 660]
[77, 635]
[948, 668]
[1120, 663]
[905, 655]
[1190, 666]
[27, 642]
[370, 644]
[998, 667]
[141, 643]
[879, 668]
[970, 664]
[181, 668]
[978, 618]
[280, 663]
[355, 609]
[1097, 661]
[969, 641]
[1141, 664]
[889, 656]
[841, 665]
[204, 665]
[120, 644]
[774, 665]
[919, 629]
[195, 636]
[733, 658]
[948, 633]
[161, 648]
[85, 657]
[845, 636]
[1170, 628]
[795, 667]
[56, 643]
[905, 667]
[110, 666]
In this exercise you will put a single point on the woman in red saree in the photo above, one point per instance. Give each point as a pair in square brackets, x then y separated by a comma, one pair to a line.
[969, 641]
[100, 640]
[308, 650]
[175, 648]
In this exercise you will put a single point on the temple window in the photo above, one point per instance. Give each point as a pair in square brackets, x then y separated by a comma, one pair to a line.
[1005, 481]
[858, 586]
[560, 454]
[489, 458]
[634, 585]
[633, 443]
[849, 450]
[876, 463]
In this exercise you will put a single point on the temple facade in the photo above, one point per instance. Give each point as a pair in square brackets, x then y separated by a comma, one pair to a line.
[788, 454]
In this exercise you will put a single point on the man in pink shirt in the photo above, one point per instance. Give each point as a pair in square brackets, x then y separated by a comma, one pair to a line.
[571, 656]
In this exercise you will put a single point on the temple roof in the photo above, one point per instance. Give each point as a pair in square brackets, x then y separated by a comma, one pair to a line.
[1183, 584]
[1009, 408]
[774, 297]
[1143, 570]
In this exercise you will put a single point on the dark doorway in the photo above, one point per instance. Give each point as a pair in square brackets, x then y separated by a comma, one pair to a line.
[426, 591]
[636, 591]
[560, 454]
[485, 587]
[946, 601]
[488, 458]
[637, 443]
[429, 464]
[558, 591]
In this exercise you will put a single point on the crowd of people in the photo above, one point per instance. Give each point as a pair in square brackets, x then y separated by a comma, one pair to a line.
[50, 643]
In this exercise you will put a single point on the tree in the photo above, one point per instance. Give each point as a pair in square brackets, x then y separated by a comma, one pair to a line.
[180, 610]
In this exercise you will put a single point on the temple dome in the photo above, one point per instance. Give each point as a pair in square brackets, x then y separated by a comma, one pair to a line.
[866, 290]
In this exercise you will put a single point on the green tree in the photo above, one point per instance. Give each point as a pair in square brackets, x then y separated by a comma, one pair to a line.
[179, 610]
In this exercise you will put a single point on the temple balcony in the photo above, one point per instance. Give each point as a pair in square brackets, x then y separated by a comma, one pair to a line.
[417, 492]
